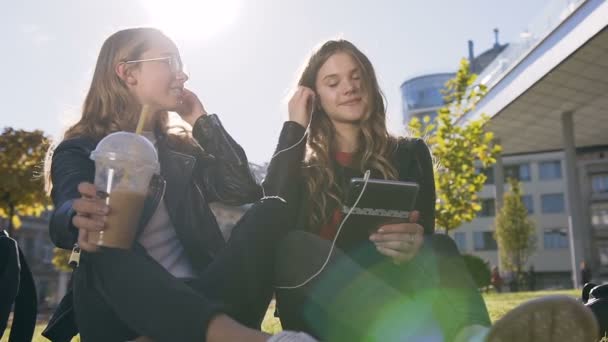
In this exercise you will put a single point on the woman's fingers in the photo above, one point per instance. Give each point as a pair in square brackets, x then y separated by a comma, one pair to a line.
[83, 242]
[93, 223]
[87, 190]
[395, 255]
[300, 105]
[90, 206]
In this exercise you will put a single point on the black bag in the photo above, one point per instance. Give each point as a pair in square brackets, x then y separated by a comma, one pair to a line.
[595, 297]
[16, 287]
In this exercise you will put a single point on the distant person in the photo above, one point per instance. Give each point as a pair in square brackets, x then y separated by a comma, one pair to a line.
[585, 273]
[496, 279]
[532, 278]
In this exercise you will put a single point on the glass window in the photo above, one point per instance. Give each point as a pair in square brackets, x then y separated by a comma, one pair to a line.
[552, 203]
[555, 238]
[461, 241]
[521, 172]
[528, 202]
[550, 170]
[599, 215]
[424, 92]
[484, 241]
[488, 207]
[599, 183]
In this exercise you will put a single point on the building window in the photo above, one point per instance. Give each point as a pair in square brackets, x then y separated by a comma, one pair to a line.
[461, 241]
[550, 170]
[521, 172]
[528, 202]
[488, 208]
[484, 241]
[489, 172]
[599, 183]
[555, 238]
[552, 203]
[599, 215]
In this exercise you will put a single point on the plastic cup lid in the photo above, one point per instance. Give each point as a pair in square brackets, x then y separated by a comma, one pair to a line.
[128, 147]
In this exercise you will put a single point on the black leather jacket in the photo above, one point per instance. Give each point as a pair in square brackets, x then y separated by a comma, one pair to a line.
[191, 177]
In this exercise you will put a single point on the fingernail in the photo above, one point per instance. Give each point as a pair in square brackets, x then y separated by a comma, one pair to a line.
[104, 210]
[381, 230]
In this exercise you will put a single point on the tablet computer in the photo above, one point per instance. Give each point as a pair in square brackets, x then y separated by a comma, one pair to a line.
[383, 202]
[382, 198]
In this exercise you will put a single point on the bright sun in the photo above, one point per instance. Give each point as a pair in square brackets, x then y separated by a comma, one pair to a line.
[192, 19]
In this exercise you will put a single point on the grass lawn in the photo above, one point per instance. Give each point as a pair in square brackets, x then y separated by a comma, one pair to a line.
[498, 304]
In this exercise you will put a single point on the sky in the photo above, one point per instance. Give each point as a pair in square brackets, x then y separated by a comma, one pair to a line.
[243, 56]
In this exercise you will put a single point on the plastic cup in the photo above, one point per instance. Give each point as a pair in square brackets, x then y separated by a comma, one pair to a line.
[124, 165]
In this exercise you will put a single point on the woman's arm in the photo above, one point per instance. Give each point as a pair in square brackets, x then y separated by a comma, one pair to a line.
[222, 168]
[70, 166]
[422, 168]
[227, 178]
[402, 241]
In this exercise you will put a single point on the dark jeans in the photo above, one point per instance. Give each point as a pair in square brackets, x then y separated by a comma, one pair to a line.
[120, 294]
[362, 295]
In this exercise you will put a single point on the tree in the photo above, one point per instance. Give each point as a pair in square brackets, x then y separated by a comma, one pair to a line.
[61, 259]
[21, 185]
[515, 232]
[458, 146]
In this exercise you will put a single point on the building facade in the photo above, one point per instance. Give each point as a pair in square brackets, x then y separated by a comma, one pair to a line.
[543, 176]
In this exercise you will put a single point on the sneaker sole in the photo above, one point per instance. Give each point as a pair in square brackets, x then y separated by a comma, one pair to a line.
[551, 318]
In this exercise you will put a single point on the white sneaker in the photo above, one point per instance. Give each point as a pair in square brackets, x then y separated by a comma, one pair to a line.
[551, 318]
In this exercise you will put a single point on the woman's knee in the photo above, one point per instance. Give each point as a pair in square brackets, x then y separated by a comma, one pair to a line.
[298, 254]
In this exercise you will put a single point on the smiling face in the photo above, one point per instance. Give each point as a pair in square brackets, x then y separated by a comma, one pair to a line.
[340, 89]
[157, 78]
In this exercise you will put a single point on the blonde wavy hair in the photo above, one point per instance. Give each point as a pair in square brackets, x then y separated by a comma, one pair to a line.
[375, 144]
[109, 106]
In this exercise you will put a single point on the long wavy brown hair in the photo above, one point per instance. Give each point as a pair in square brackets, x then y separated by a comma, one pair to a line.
[375, 145]
[109, 106]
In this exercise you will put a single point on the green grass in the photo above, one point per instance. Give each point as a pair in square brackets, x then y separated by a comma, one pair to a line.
[37, 337]
[498, 304]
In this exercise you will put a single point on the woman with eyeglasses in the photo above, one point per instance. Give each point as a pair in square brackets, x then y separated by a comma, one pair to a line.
[180, 281]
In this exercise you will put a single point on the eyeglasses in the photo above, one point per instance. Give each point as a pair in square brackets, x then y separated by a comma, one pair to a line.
[174, 62]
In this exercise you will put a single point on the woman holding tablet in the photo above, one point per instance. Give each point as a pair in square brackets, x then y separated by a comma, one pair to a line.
[400, 281]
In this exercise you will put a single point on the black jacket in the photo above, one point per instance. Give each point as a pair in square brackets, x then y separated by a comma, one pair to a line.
[191, 177]
[17, 291]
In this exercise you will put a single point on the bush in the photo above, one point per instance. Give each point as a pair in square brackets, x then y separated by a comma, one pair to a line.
[479, 270]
